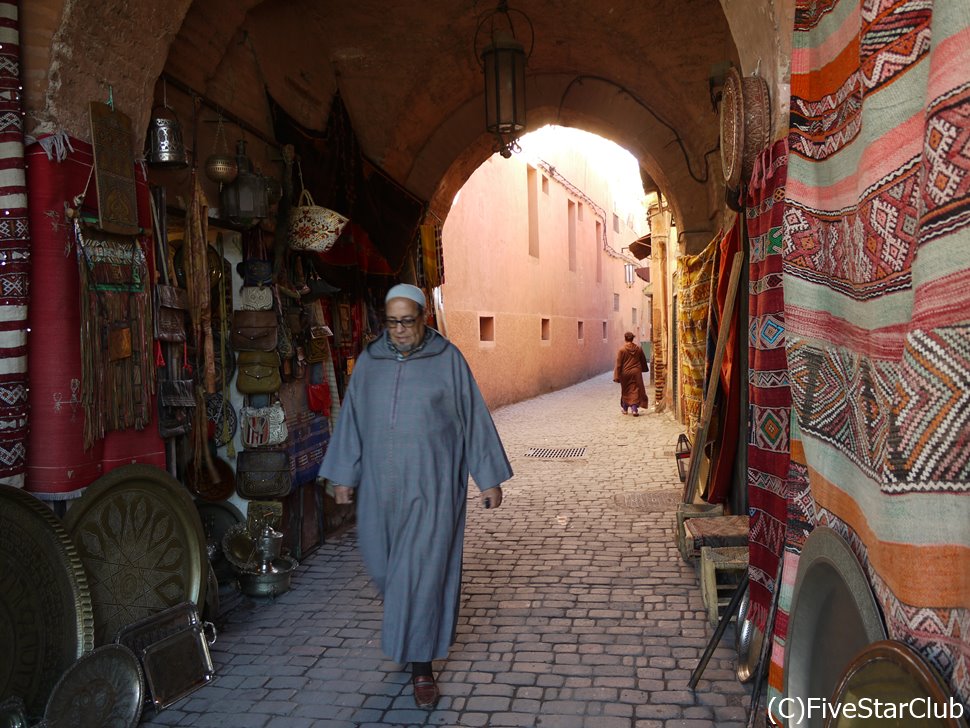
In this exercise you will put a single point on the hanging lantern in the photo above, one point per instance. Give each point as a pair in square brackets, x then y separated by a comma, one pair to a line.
[164, 146]
[503, 62]
[220, 166]
[244, 201]
[166, 149]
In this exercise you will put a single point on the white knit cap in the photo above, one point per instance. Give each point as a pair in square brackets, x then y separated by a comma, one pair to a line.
[406, 290]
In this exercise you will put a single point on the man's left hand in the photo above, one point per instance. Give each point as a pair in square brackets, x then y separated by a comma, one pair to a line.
[492, 498]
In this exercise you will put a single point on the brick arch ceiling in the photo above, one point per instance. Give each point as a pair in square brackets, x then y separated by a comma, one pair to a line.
[408, 74]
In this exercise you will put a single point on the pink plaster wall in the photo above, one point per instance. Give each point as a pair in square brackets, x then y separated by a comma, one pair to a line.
[490, 272]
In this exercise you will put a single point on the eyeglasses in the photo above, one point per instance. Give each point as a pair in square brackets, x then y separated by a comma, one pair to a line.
[407, 322]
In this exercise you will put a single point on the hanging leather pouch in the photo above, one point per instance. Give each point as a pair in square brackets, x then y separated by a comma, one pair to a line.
[119, 341]
[258, 372]
[318, 347]
[170, 306]
[263, 426]
[176, 401]
[263, 474]
[254, 331]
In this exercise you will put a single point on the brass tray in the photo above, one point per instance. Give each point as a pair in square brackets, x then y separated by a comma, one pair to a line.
[833, 616]
[891, 672]
[142, 544]
[44, 591]
[103, 689]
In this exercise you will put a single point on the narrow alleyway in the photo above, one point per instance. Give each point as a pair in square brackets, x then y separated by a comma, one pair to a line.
[578, 611]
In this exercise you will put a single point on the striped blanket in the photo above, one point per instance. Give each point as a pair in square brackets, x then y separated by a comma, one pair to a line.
[877, 301]
[695, 274]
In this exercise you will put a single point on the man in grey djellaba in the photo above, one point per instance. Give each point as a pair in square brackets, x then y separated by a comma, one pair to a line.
[412, 427]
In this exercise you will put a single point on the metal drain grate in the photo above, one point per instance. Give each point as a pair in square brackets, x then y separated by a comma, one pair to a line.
[556, 453]
[647, 500]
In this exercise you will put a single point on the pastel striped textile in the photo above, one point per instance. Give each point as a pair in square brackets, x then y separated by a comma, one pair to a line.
[877, 301]
[695, 275]
[769, 395]
[14, 255]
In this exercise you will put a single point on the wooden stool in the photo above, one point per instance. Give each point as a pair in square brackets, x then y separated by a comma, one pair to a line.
[692, 510]
[717, 562]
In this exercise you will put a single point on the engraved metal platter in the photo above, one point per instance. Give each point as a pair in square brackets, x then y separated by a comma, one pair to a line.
[217, 518]
[46, 618]
[833, 616]
[103, 689]
[141, 542]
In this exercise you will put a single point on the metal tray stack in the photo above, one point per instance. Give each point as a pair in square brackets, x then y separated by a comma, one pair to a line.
[174, 652]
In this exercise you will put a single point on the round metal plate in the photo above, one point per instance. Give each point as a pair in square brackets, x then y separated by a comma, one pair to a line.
[747, 641]
[217, 518]
[103, 688]
[833, 616]
[222, 415]
[46, 619]
[141, 541]
[894, 674]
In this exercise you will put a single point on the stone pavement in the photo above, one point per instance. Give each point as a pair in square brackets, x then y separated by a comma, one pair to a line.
[577, 610]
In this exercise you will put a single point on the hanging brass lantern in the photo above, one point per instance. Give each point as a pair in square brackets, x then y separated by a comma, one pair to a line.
[244, 201]
[220, 166]
[503, 62]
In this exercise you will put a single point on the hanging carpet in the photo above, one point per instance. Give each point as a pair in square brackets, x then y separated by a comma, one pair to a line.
[58, 465]
[695, 274]
[877, 302]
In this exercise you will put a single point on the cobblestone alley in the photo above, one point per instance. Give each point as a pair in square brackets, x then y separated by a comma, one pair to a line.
[578, 611]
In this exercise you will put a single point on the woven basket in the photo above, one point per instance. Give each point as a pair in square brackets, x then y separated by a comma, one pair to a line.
[313, 227]
[745, 125]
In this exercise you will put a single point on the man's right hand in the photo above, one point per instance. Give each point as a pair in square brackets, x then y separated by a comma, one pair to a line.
[341, 494]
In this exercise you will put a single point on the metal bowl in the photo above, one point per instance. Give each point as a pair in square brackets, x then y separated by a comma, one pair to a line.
[271, 583]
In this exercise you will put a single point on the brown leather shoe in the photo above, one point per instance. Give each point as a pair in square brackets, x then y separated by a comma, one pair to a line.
[425, 691]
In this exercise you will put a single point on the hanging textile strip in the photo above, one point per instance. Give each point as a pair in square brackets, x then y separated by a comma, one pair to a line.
[877, 294]
[116, 384]
[769, 395]
[695, 275]
[14, 256]
[722, 474]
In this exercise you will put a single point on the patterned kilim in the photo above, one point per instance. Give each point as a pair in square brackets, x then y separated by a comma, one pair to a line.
[877, 301]
[695, 274]
[801, 520]
[14, 256]
[769, 396]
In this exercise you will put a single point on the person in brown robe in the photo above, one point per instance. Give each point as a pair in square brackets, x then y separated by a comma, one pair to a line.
[630, 366]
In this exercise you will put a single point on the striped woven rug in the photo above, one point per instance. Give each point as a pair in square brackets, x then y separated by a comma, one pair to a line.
[877, 301]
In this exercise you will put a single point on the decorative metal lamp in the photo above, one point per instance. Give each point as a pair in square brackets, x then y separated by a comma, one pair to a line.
[629, 274]
[245, 200]
[164, 147]
[503, 61]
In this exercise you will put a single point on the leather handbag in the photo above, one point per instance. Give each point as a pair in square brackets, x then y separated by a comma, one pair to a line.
[263, 426]
[318, 348]
[263, 474]
[258, 372]
[176, 402]
[256, 298]
[318, 398]
[171, 304]
[254, 331]
[255, 272]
